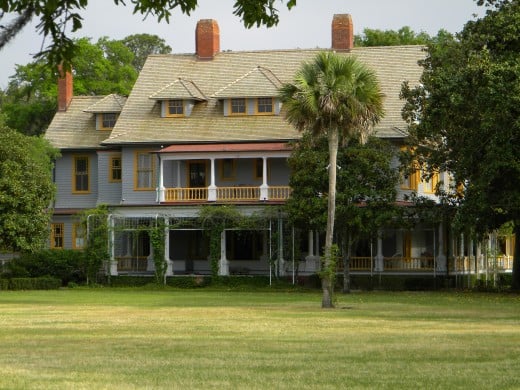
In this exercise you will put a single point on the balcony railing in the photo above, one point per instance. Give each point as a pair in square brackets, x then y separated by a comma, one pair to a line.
[227, 194]
[421, 263]
[357, 264]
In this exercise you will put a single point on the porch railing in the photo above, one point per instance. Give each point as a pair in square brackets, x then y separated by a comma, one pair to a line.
[421, 263]
[185, 194]
[357, 264]
[279, 192]
[238, 193]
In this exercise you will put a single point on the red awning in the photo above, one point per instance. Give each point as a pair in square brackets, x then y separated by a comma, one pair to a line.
[238, 147]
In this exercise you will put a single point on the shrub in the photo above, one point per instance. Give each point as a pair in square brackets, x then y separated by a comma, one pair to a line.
[42, 283]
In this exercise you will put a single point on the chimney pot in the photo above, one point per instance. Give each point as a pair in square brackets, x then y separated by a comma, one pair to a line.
[342, 32]
[65, 88]
[207, 39]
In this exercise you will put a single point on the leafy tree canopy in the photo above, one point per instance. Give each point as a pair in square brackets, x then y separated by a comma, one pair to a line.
[464, 117]
[403, 36]
[56, 17]
[100, 68]
[26, 190]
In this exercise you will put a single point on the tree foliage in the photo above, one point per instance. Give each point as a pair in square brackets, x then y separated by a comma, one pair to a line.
[333, 95]
[55, 18]
[100, 68]
[404, 36]
[26, 190]
[464, 118]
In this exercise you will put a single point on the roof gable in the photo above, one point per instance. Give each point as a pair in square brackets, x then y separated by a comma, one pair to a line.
[179, 89]
[112, 103]
[258, 82]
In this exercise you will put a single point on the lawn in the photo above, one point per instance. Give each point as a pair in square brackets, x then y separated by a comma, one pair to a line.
[193, 339]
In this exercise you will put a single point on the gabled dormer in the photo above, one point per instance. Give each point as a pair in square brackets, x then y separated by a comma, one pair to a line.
[107, 111]
[254, 93]
[177, 99]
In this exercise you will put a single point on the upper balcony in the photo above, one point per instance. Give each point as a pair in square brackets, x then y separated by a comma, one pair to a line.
[242, 172]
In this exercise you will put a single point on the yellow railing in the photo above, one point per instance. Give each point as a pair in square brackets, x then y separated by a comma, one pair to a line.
[357, 264]
[467, 264]
[238, 193]
[185, 194]
[279, 192]
[409, 263]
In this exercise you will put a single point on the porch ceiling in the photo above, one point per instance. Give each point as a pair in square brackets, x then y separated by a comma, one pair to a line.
[227, 147]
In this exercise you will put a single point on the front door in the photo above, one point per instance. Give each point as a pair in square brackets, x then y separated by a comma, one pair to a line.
[197, 174]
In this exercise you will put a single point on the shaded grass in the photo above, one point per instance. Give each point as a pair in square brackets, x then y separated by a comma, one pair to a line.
[134, 338]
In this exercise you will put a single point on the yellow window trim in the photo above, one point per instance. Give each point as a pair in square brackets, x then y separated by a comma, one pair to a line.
[257, 100]
[233, 169]
[230, 105]
[76, 158]
[111, 168]
[102, 117]
[167, 109]
[54, 235]
[136, 171]
[431, 184]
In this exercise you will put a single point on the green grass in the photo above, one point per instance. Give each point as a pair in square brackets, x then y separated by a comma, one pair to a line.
[190, 339]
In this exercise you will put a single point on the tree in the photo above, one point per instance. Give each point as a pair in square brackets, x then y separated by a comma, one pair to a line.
[464, 119]
[57, 17]
[333, 95]
[142, 45]
[404, 36]
[100, 68]
[26, 190]
[366, 190]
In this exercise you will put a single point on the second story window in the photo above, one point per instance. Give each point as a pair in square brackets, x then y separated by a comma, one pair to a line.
[264, 106]
[238, 106]
[175, 107]
[115, 169]
[144, 171]
[80, 179]
[108, 120]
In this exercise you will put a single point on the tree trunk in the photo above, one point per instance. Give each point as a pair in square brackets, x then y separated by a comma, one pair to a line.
[328, 278]
[515, 278]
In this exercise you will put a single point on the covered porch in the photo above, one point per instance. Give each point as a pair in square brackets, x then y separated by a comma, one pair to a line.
[236, 172]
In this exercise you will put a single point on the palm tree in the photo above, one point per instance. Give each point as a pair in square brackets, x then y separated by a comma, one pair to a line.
[338, 96]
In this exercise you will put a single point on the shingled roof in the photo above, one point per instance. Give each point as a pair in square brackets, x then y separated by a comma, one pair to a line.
[112, 103]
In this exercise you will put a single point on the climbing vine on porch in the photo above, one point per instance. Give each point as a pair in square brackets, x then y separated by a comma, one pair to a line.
[157, 238]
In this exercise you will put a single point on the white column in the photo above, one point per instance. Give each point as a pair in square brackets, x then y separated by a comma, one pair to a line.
[223, 269]
[212, 189]
[441, 256]
[179, 182]
[264, 188]
[311, 243]
[161, 196]
[111, 233]
[281, 261]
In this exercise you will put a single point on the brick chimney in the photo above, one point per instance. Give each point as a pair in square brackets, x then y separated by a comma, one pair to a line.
[207, 39]
[342, 32]
[65, 92]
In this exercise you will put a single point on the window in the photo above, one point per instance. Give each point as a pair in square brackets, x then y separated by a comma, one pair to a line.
[410, 181]
[108, 120]
[80, 180]
[431, 185]
[264, 106]
[78, 236]
[144, 171]
[238, 106]
[56, 236]
[227, 169]
[115, 169]
[175, 108]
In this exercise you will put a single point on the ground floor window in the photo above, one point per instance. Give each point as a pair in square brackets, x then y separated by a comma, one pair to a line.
[245, 244]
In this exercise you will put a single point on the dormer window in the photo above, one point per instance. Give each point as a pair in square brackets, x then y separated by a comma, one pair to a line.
[264, 106]
[108, 120]
[238, 106]
[175, 107]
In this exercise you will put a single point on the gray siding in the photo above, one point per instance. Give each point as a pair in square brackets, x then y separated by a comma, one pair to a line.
[129, 194]
[65, 196]
[109, 191]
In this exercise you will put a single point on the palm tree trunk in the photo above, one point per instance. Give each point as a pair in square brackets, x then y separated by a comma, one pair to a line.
[328, 279]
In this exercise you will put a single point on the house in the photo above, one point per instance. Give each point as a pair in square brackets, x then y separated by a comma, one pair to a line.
[208, 129]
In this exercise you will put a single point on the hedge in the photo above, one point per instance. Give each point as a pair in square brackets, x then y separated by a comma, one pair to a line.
[41, 283]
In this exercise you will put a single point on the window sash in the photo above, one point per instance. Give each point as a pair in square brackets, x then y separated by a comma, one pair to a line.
[115, 169]
[57, 235]
[238, 106]
[144, 171]
[108, 120]
[175, 107]
[265, 105]
[81, 173]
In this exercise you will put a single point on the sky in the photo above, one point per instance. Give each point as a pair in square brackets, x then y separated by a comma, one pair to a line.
[308, 25]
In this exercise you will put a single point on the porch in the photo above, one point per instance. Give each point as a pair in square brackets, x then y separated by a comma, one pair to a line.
[226, 194]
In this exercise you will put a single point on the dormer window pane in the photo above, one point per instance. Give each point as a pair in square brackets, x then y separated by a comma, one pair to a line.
[264, 105]
[238, 106]
[175, 107]
[109, 120]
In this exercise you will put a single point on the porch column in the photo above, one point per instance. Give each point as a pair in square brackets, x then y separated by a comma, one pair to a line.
[379, 263]
[311, 260]
[441, 256]
[169, 263]
[160, 195]
[311, 243]
[223, 269]
[264, 188]
[281, 261]
[111, 234]
[212, 189]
